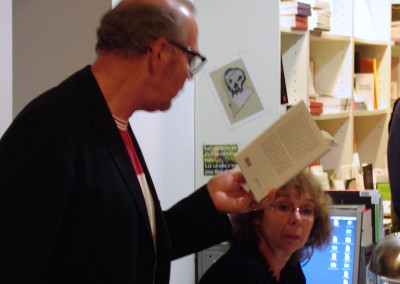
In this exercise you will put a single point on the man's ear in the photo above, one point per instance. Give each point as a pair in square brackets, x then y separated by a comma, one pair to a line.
[159, 55]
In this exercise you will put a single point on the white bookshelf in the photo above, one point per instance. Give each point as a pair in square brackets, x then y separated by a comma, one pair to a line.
[229, 28]
[361, 26]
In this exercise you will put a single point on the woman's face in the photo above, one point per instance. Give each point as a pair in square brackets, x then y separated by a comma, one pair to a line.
[286, 224]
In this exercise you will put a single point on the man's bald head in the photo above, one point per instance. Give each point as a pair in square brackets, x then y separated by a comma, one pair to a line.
[170, 3]
[131, 27]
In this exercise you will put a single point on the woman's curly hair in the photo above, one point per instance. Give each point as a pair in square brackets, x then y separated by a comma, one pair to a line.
[245, 229]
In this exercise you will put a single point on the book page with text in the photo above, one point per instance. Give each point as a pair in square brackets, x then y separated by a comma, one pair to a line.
[282, 151]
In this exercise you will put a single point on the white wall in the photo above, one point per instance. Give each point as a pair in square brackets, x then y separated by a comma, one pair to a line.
[51, 40]
[6, 64]
[167, 142]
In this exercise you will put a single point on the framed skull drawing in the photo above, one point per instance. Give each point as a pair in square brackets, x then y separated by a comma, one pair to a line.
[235, 90]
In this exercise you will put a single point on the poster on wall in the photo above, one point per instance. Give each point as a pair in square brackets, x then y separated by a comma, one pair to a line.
[236, 93]
[218, 158]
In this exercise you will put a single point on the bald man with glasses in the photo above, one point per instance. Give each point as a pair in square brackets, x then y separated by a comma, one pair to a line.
[77, 201]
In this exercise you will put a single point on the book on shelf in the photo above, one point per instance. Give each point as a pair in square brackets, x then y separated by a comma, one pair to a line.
[294, 22]
[315, 104]
[319, 21]
[395, 31]
[331, 103]
[316, 108]
[282, 151]
[364, 90]
[286, 4]
[311, 77]
[368, 175]
[295, 11]
[320, 5]
[356, 62]
[395, 12]
[368, 65]
[293, 19]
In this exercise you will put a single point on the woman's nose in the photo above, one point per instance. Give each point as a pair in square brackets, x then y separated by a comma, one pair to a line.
[296, 216]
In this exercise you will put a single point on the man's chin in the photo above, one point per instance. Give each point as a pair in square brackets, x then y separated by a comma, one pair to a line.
[165, 107]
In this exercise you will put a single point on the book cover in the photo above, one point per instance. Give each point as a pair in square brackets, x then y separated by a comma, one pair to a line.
[368, 176]
[365, 89]
[368, 65]
[395, 12]
[316, 104]
[282, 151]
[293, 19]
[294, 25]
[316, 110]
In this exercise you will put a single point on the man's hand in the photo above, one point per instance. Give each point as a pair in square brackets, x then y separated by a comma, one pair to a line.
[229, 196]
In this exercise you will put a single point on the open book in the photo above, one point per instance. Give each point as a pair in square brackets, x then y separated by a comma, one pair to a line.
[282, 151]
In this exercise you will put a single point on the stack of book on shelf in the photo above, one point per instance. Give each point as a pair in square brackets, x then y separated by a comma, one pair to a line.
[294, 14]
[331, 103]
[395, 23]
[320, 18]
[316, 108]
[365, 83]
[324, 103]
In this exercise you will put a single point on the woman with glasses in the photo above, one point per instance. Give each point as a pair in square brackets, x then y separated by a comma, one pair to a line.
[269, 244]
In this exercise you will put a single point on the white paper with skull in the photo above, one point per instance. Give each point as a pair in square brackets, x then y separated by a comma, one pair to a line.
[236, 93]
[234, 80]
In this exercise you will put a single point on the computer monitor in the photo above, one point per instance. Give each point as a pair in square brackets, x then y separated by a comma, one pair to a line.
[338, 262]
[370, 198]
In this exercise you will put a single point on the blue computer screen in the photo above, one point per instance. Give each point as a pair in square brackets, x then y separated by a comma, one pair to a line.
[336, 263]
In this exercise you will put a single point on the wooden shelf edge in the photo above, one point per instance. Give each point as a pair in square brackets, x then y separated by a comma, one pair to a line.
[364, 113]
[329, 116]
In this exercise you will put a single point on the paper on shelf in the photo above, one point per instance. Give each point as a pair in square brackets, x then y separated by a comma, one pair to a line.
[282, 151]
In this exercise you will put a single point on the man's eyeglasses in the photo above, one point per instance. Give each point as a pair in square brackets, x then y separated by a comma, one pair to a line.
[284, 209]
[196, 61]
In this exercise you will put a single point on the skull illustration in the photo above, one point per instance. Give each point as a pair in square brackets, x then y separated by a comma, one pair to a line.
[234, 80]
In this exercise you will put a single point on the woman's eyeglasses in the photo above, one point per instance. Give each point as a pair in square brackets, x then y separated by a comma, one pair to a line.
[285, 209]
